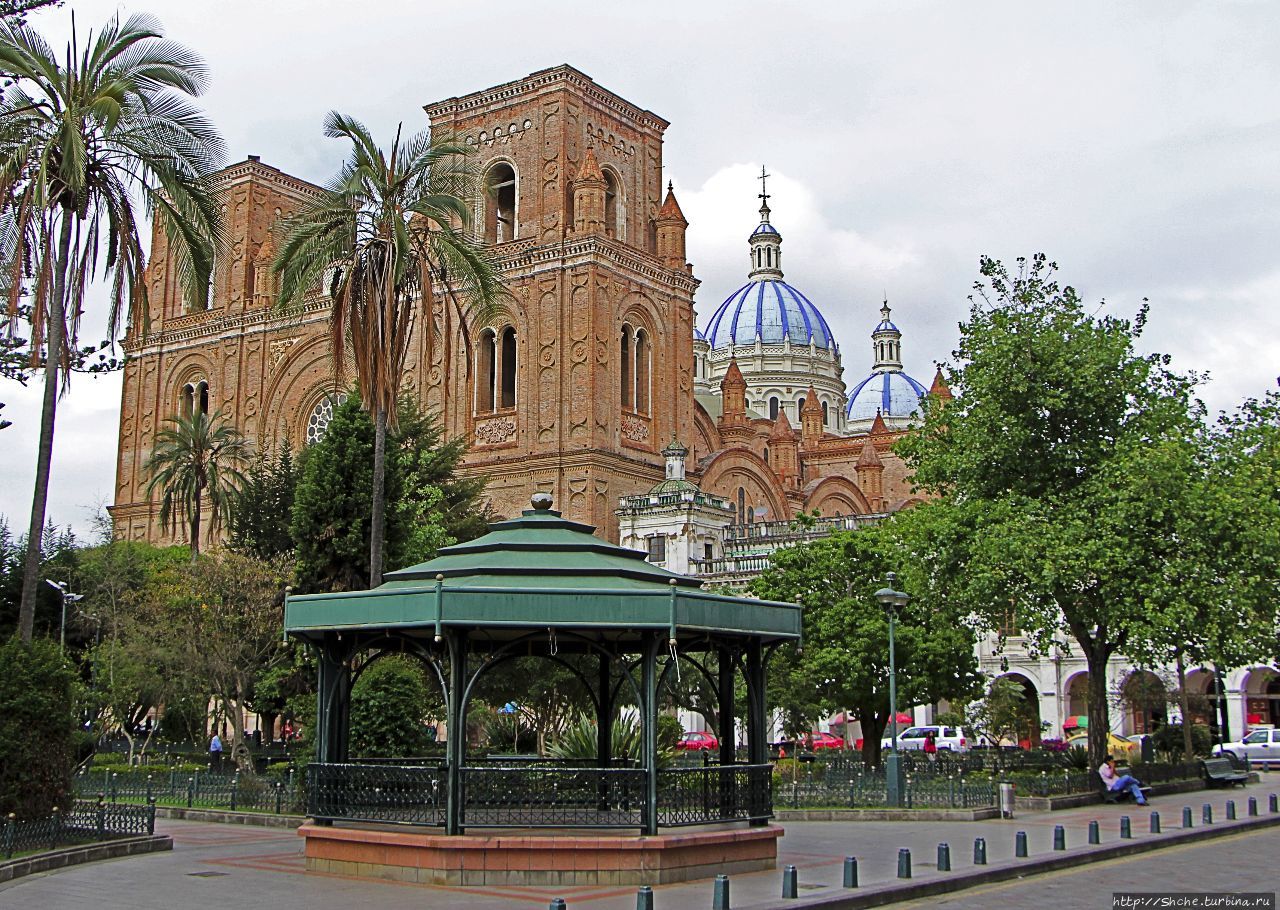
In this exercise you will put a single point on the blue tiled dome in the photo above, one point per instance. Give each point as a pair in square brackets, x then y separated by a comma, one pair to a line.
[764, 227]
[772, 309]
[697, 334]
[892, 393]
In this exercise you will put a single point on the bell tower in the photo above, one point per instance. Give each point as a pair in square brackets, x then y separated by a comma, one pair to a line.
[571, 387]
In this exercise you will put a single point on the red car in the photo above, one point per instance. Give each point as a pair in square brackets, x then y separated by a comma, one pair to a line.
[812, 742]
[697, 742]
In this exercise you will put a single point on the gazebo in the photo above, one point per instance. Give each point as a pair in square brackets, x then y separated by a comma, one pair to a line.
[542, 586]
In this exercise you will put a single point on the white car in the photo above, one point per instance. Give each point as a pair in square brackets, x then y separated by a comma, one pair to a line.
[1258, 746]
[947, 739]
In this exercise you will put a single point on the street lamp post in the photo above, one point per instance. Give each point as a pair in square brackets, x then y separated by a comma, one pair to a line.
[892, 601]
[67, 597]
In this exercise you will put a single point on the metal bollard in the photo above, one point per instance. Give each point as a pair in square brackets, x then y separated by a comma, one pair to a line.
[904, 863]
[1253, 806]
[979, 851]
[790, 882]
[1186, 817]
[1155, 822]
[1231, 810]
[557, 903]
[644, 898]
[1095, 835]
[944, 857]
[720, 894]
[1206, 814]
[851, 872]
[1020, 844]
[1126, 831]
[1059, 837]
[1272, 804]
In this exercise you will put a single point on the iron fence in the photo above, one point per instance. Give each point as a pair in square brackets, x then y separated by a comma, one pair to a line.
[407, 795]
[714, 793]
[198, 789]
[852, 787]
[544, 795]
[84, 821]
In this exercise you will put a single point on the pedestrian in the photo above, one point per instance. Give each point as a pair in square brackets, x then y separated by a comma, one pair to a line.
[215, 753]
[931, 745]
[1116, 782]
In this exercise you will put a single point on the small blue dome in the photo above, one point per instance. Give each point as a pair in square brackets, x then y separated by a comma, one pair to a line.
[765, 227]
[885, 326]
[892, 393]
[771, 309]
[697, 334]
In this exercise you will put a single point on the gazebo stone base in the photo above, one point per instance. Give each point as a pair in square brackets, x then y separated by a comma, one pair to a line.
[539, 857]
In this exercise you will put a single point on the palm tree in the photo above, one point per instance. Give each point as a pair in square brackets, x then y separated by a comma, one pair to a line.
[195, 458]
[383, 230]
[81, 140]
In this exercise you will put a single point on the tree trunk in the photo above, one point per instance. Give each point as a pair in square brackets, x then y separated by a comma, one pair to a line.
[55, 335]
[1184, 704]
[872, 733]
[195, 523]
[377, 530]
[1099, 713]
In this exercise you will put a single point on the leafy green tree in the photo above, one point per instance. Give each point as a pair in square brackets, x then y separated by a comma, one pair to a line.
[428, 505]
[844, 663]
[38, 690]
[1004, 714]
[379, 236]
[197, 458]
[80, 141]
[15, 11]
[390, 705]
[60, 561]
[1042, 469]
[262, 513]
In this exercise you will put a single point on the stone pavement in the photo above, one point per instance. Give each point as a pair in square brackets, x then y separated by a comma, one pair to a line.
[243, 866]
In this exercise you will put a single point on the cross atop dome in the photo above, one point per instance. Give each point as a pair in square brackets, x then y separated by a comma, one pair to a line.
[766, 242]
[764, 196]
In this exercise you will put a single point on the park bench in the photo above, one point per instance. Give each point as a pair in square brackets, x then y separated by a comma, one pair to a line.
[1120, 796]
[1220, 771]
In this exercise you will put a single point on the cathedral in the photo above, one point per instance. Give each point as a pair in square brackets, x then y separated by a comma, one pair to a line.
[593, 382]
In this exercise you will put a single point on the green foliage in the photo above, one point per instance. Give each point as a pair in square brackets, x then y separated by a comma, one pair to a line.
[1061, 468]
[844, 663]
[59, 560]
[262, 513]
[1006, 714]
[15, 11]
[1168, 739]
[1077, 757]
[669, 732]
[390, 705]
[546, 693]
[508, 732]
[428, 506]
[626, 738]
[38, 691]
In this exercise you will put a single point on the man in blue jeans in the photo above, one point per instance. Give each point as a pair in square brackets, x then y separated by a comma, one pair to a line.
[1120, 783]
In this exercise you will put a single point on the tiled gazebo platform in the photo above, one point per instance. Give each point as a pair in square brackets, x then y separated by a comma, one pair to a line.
[539, 857]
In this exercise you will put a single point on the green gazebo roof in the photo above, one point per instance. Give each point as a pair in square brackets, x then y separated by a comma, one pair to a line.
[539, 571]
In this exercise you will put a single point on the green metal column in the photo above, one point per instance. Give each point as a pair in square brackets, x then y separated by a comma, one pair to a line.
[757, 729]
[455, 748]
[604, 714]
[333, 704]
[728, 715]
[649, 728]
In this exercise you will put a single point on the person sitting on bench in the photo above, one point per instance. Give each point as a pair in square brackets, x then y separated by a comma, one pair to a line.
[1121, 783]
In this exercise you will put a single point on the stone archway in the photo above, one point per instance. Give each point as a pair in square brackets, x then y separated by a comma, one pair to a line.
[1077, 695]
[1261, 690]
[1028, 732]
[1145, 699]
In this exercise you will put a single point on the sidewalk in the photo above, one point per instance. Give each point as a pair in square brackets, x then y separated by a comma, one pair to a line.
[214, 864]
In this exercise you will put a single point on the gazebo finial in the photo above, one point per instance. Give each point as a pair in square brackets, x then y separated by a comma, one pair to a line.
[540, 501]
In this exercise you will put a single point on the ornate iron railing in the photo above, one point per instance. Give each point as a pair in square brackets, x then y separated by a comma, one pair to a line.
[715, 793]
[84, 821]
[198, 789]
[405, 795]
[545, 796]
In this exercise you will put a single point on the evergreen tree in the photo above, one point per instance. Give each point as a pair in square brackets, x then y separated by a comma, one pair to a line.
[263, 512]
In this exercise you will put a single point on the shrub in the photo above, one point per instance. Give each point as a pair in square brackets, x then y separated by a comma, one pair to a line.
[508, 732]
[1168, 739]
[38, 691]
[388, 710]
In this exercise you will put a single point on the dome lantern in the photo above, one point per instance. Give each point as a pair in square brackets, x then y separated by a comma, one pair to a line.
[766, 242]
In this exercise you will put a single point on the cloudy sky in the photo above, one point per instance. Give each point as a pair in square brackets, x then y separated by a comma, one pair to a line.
[1136, 143]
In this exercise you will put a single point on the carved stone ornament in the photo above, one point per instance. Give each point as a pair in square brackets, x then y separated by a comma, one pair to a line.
[635, 428]
[493, 432]
[280, 348]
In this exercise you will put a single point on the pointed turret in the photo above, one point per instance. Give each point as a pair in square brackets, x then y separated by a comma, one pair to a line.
[878, 426]
[940, 391]
[886, 342]
[733, 396]
[784, 455]
[588, 196]
[781, 428]
[811, 418]
[871, 476]
[675, 453]
[671, 232]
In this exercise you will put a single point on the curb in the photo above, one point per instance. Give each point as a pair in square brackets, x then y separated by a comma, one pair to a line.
[53, 860]
[886, 815]
[892, 893]
[226, 817]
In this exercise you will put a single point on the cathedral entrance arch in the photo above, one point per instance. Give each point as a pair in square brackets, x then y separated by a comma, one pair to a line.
[835, 495]
[734, 470]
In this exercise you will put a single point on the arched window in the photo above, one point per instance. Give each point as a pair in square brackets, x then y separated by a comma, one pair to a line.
[742, 505]
[799, 409]
[188, 403]
[766, 454]
[321, 416]
[486, 371]
[611, 226]
[626, 374]
[773, 408]
[202, 396]
[826, 417]
[500, 208]
[508, 367]
[642, 371]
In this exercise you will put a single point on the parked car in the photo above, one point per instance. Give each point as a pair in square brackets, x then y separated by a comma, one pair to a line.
[697, 741]
[1116, 745]
[1260, 745]
[947, 739]
[811, 742]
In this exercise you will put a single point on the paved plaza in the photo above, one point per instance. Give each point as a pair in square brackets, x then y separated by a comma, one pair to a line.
[247, 866]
